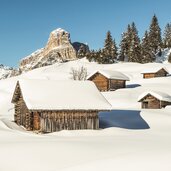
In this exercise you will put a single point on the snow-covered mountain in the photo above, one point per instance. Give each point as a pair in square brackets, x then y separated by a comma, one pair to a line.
[58, 49]
[163, 58]
[6, 72]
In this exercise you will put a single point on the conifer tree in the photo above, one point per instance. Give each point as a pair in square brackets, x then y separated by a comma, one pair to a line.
[134, 51]
[125, 44]
[155, 35]
[167, 36]
[146, 53]
[110, 49]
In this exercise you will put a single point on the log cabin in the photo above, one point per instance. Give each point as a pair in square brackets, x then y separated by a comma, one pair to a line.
[49, 106]
[154, 100]
[107, 80]
[155, 72]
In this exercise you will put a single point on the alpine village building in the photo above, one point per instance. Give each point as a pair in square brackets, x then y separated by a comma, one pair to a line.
[155, 72]
[154, 100]
[107, 80]
[49, 106]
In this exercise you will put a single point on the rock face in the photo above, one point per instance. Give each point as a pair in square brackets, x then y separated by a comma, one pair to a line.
[77, 46]
[58, 49]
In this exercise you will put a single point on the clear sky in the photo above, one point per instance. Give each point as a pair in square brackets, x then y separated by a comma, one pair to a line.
[25, 24]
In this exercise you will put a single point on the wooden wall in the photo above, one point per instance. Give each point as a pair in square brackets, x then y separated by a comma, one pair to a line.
[160, 73]
[22, 115]
[51, 121]
[101, 82]
[148, 75]
[116, 84]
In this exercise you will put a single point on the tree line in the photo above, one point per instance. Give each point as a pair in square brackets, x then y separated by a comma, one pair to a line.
[131, 47]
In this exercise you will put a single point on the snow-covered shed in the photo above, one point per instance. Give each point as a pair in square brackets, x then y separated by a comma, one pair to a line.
[155, 72]
[49, 106]
[107, 80]
[154, 100]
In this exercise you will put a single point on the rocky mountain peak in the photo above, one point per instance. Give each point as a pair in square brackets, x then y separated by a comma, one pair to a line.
[57, 49]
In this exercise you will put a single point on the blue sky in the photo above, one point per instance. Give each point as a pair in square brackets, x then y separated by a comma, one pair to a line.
[25, 24]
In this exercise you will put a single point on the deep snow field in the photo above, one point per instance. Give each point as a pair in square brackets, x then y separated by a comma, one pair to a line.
[130, 139]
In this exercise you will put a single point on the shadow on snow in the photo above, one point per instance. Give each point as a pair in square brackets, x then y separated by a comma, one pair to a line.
[128, 119]
[133, 85]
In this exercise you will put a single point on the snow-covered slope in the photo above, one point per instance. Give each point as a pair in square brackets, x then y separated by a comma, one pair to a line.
[133, 139]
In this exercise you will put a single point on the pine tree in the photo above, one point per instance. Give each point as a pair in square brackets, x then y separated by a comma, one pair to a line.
[155, 35]
[125, 44]
[146, 53]
[134, 51]
[167, 36]
[110, 49]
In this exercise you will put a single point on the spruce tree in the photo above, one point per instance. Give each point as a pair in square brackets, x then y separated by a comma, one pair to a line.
[134, 51]
[155, 35]
[146, 53]
[110, 49]
[167, 36]
[125, 44]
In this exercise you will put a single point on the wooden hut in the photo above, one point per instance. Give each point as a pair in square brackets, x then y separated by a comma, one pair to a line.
[106, 80]
[154, 100]
[49, 106]
[155, 72]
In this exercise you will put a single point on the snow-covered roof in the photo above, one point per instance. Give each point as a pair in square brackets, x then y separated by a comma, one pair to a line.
[62, 95]
[110, 74]
[153, 70]
[157, 94]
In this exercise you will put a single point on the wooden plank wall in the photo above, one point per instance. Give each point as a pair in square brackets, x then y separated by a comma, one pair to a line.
[52, 121]
[117, 84]
[101, 82]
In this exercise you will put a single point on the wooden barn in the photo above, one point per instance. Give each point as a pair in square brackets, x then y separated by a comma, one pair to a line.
[49, 106]
[154, 100]
[106, 80]
[155, 72]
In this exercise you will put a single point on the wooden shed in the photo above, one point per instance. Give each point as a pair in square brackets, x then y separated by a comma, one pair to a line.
[155, 72]
[107, 80]
[154, 100]
[49, 106]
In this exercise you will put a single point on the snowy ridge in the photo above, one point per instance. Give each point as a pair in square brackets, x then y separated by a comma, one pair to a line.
[57, 31]
[6, 72]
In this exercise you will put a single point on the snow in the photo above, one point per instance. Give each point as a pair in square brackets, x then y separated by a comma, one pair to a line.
[111, 74]
[159, 95]
[57, 31]
[153, 70]
[62, 95]
[131, 139]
